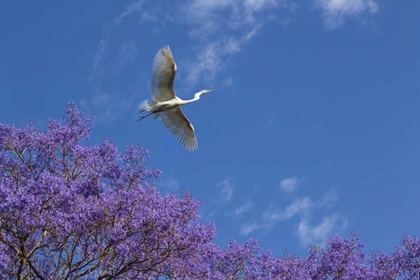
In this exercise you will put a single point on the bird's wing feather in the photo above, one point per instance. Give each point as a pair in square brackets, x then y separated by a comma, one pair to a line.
[164, 69]
[180, 127]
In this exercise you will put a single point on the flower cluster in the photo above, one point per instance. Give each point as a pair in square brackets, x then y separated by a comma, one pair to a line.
[69, 211]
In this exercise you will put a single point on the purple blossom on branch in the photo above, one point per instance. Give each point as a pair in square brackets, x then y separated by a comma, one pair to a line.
[69, 211]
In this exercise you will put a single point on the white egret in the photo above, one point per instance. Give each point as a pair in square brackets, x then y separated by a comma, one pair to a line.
[165, 105]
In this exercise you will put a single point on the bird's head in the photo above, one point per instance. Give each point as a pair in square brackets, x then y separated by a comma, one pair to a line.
[207, 91]
[198, 94]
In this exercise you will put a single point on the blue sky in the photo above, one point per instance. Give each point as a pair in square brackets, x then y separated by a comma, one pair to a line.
[313, 130]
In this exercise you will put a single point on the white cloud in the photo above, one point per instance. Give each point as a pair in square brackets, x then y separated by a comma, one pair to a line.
[299, 206]
[222, 28]
[270, 118]
[289, 184]
[218, 28]
[246, 229]
[148, 16]
[127, 54]
[328, 200]
[236, 12]
[243, 209]
[207, 60]
[228, 82]
[170, 184]
[319, 233]
[205, 7]
[255, 5]
[130, 9]
[213, 56]
[302, 206]
[305, 209]
[336, 11]
[98, 58]
[101, 105]
[107, 106]
[226, 188]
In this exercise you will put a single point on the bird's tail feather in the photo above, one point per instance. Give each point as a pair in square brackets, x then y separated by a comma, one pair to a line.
[147, 105]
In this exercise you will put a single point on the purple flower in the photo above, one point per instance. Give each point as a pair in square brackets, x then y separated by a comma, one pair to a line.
[89, 212]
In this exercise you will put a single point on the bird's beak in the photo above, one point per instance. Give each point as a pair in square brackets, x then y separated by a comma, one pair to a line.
[210, 90]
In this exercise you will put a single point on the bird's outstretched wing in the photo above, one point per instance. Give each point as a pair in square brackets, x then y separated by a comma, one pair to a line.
[180, 127]
[164, 69]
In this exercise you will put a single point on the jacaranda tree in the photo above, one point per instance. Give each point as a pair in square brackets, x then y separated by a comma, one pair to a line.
[69, 211]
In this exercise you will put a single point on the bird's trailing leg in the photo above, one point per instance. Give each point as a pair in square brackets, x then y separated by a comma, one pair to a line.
[143, 117]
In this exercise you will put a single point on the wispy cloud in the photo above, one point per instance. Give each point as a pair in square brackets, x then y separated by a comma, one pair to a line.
[210, 15]
[98, 58]
[223, 28]
[213, 55]
[127, 54]
[246, 229]
[336, 11]
[228, 82]
[169, 184]
[299, 206]
[304, 208]
[319, 233]
[289, 184]
[106, 102]
[107, 106]
[227, 189]
[327, 201]
[130, 9]
[243, 209]
[218, 31]
[270, 118]
[148, 16]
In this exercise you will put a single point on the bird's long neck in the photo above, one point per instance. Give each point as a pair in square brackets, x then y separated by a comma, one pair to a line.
[196, 97]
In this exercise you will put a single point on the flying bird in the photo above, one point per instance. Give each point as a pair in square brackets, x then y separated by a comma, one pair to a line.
[165, 105]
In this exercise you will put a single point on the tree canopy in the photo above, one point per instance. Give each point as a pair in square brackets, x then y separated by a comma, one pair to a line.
[70, 211]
